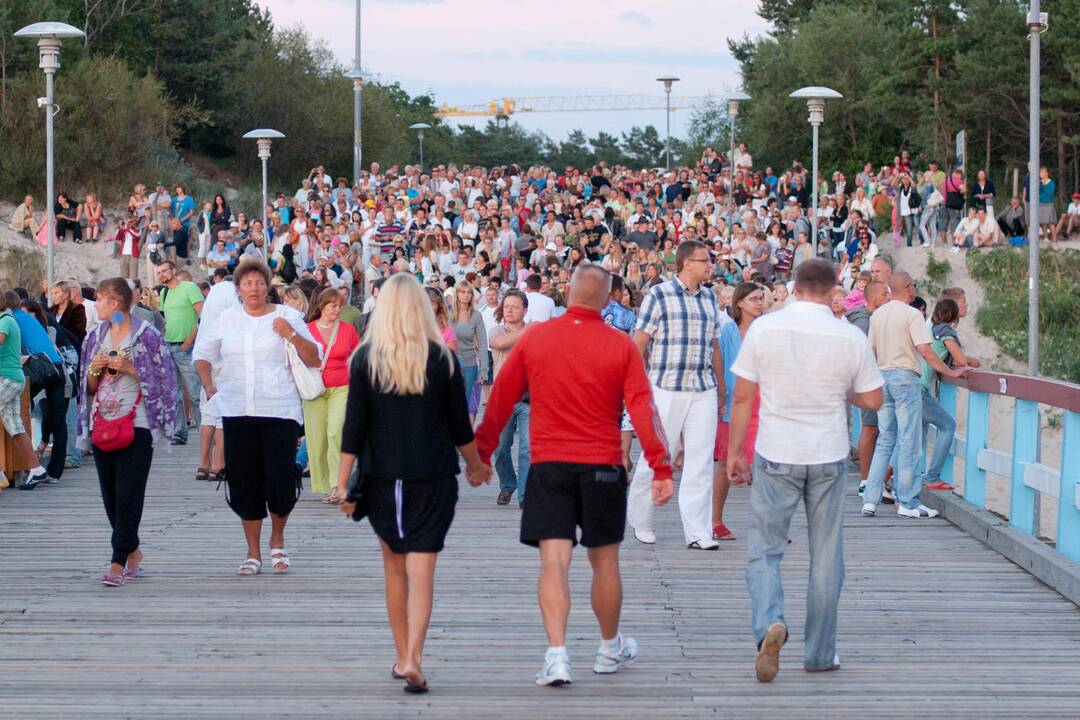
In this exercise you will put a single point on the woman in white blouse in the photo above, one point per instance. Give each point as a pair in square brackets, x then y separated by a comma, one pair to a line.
[260, 408]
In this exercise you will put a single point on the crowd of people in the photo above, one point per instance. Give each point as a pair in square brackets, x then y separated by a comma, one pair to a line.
[359, 335]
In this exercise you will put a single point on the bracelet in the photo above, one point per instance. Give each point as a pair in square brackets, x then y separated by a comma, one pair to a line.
[93, 373]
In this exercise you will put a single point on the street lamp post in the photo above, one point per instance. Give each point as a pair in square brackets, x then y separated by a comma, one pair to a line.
[1035, 26]
[815, 97]
[49, 36]
[264, 136]
[668, 81]
[358, 88]
[733, 100]
[420, 128]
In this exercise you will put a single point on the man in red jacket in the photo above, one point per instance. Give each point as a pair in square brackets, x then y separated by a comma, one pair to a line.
[576, 478]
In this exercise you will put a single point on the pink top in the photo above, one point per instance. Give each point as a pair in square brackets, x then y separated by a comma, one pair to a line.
[448, 335]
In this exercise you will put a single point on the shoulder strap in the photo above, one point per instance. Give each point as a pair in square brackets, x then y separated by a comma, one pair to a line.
[330, 345]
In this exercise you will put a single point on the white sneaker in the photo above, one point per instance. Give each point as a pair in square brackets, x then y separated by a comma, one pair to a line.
[645, 536]
[862, 488]
[869, 510]
[956, 249]
[556, 671]
[606, 664]
[888, 497]
[926, 244]
[920, 512]
[835, 665]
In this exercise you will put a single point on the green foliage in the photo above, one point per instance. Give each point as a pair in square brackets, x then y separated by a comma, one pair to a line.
[913, 73]
[937, 270]
[1004, 313]
[97, 150]
[21, 267]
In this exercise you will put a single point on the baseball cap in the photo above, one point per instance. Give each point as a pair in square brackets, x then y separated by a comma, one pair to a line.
[1076, 196]
[792, 199]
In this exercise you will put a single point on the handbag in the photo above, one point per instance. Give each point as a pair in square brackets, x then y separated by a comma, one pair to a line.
[309, 382]
[40, 369]
[116, 434]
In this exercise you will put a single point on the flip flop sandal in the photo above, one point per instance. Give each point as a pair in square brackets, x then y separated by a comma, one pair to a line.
[133, 574]
[278, 556]
[251, 566]
[202, 474]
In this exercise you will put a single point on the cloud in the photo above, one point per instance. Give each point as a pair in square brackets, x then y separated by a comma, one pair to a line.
[658, 57]
[635, 17]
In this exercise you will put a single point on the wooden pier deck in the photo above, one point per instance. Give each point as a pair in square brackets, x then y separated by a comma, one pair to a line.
[932, 622]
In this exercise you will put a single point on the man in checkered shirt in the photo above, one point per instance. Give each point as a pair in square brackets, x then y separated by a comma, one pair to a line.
[677, 330]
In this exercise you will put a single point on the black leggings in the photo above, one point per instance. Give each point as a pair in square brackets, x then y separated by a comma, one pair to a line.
[54, 422]
[122, 475]
[260, 466]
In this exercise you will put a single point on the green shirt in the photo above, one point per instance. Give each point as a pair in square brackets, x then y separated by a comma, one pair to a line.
[179, 311]
[11, 350]
[350, 314]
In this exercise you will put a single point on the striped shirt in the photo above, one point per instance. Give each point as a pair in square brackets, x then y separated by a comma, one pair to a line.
[683, 326]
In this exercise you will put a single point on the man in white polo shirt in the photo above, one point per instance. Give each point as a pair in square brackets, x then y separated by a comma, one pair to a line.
[807, 366]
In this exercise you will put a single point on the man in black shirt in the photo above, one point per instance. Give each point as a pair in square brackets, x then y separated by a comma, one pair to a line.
[642, 236]
[179, 242]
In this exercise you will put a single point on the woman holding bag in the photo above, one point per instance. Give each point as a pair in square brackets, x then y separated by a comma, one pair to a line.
[129, 388]
[259, 405]
[325, 415]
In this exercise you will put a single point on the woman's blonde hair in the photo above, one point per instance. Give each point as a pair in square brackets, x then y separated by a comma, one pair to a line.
[457, 306]
[295, 292]
[398, 336]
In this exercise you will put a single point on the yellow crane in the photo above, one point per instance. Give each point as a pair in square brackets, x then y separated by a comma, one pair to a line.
[503, 109]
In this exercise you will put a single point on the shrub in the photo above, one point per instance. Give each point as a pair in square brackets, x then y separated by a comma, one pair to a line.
[1003, 273]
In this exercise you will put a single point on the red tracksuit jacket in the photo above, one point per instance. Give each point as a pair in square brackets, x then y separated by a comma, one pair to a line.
[579, 371]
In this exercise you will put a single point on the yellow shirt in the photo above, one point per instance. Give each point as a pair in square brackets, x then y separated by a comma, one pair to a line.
[896, 329]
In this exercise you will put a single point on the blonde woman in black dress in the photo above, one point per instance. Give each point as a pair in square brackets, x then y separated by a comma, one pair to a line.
[406, 420]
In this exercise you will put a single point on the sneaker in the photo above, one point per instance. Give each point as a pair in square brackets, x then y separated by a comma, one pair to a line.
[862, 487]
[504, 498]
[888, 497]
[869, 510]
[606, 664]
[647, 537]
[955, 249]
[50, 480]
[70, 464]
[918, 512]
[768, 660]
[32, 481]
[556, 671]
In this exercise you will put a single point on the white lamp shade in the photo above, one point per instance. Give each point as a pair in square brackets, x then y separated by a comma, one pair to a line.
[816, 92]
[263, 134]
[50, 30]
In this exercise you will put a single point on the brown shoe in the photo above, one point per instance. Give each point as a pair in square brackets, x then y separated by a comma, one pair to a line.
[768, 659]
[504, 498]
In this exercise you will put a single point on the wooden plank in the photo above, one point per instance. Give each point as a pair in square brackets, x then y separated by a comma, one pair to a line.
[976, 635]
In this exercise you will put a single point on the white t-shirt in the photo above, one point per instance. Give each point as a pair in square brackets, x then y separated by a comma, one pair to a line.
[805, 362]
[487, 313]
[1074, 208]
[541, 307]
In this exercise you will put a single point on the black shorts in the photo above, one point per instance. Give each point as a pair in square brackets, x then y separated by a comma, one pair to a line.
[565, 496]
[410, 515]
[260, 466]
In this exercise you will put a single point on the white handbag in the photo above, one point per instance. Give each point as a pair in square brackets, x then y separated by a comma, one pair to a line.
[309, 382]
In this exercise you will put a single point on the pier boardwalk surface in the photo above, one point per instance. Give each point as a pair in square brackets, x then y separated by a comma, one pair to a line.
[933, 624]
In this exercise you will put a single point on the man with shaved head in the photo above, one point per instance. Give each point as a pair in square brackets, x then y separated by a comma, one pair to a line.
[576, 477]
[899, 337]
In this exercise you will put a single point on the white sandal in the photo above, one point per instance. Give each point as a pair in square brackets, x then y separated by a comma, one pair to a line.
[251, 566]
[278, 556]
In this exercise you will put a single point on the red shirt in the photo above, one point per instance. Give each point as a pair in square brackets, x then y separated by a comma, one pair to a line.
[336, 372]
[579, 372]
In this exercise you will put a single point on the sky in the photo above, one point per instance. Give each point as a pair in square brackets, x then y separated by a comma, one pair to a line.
[472, 51]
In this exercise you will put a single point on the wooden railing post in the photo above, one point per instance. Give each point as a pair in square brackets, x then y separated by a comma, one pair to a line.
[1025, 450]
[1068, 529]
[978, 431]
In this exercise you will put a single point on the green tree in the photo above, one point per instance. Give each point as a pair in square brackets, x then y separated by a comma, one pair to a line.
[643, 147]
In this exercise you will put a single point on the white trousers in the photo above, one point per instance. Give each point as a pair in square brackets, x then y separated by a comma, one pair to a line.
[692, 415]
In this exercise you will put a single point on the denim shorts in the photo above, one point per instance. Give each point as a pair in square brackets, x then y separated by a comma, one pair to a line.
[11, 406]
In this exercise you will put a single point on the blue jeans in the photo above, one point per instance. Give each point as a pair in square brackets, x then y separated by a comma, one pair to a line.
[899, 426]
[934, 414]
[774, 497]
[185, 377]
[302, 456]
[74, 457]
[518, 426]
[470, 374]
